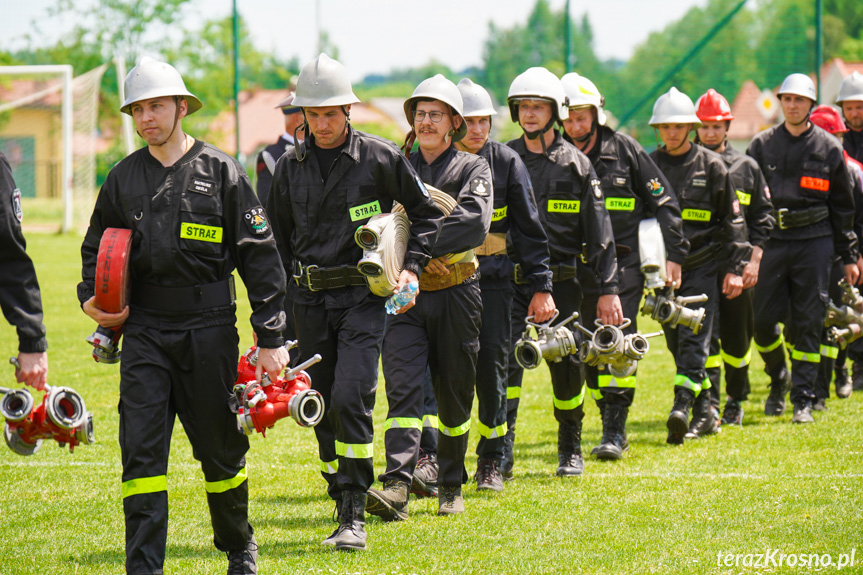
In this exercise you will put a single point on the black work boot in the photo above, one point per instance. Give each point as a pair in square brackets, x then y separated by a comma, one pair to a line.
[614, 441]
[678, 419]
[803, 413]
[733, 412]
[424, 482]
[245, 561]
[703, 419]
[391, 502]
[857, 376]
[450, 501]
[779, 384]
[508, 460]
[350, 535]
[569, 459]
[844, 386]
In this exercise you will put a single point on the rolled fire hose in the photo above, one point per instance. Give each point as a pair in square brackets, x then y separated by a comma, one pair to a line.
[384, 241]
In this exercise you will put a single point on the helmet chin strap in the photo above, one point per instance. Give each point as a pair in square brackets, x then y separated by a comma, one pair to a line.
[537, 133]
[593, 126]
[173, 129]
[666, 149]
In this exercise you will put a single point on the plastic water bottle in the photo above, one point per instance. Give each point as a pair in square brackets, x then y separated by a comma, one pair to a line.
[402, 298]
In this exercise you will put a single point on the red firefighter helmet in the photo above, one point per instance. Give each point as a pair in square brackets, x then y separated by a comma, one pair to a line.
[713, 107]
[828, 117]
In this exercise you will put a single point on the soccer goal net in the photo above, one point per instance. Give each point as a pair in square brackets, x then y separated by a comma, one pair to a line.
[49, 134]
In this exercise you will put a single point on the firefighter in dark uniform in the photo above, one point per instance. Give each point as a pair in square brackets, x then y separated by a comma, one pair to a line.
[634, 189]
[731, 341]
[265, 164]
[515, 213]
[850, 99]
[712, 222]
[572, 210]
[832, 356]
[20, 297]
[323, 189]
[194, 219]
[442, 330]
[811, 193]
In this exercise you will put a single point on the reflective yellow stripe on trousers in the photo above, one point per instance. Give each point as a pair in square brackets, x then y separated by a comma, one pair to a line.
[569, 404]
[772, 346]
[226, 484]
[403, 423]
[492, 432]
[355, 450]
[145, 485]
[454, 431]
[736, 361]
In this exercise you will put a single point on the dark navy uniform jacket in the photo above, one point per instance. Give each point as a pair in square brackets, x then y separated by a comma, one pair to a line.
[804, 172]
[467, 179]
[266, 162]
[20, 298]
[709, 207]
[572, 208]
[515, 213]
[636, 189]
[753, 194]
[192, 223]
[314, 221]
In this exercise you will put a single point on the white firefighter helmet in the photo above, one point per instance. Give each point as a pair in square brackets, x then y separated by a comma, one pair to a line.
[154, 79]
[800, 85]
[582, 92]
[538, 84]
[851, 89]
[438, 88]
[324, 82]
[477, 101]
[674, 107]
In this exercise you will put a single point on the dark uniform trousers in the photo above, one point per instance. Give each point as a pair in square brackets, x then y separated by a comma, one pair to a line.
[567, 376]
[441, 333]
[690, 350]
[190, 374]
[731, 345]
[831, 355]
[603, 385]
[349, 341]
[495, 349]
[795, 271]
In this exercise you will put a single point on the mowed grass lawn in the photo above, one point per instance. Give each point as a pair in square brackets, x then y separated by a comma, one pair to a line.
[763, 487]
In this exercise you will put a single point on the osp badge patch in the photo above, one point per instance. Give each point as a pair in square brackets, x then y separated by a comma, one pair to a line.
[256, 220]
[654, 187]
[16, 204]
[597, 188]
[480, 187]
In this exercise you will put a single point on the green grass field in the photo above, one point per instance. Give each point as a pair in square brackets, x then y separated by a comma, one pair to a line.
[763, 487]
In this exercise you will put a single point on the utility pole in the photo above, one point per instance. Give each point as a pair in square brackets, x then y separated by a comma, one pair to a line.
[567, 34]
[819, 43]
[237, 78]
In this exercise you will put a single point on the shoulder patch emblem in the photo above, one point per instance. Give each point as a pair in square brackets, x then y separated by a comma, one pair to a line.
[479, 187]
[256, 221]
[654, 187]
[16, 204]
[597, 188]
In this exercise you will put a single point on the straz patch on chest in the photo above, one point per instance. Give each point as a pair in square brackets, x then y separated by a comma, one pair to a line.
[499, 214]
[364, 211]
[256, 221]
[696, 215]
[202, 186]
[744, 198]
[564, 206]
[200, 232]
[817, 184]
[620, 204]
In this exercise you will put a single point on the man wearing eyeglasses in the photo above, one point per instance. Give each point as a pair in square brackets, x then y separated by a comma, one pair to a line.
[442, 330]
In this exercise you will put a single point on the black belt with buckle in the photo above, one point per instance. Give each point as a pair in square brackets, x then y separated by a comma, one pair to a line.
[787, 219]
[701, 256]
[559, 272]
[186, 298]
[316, 278]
